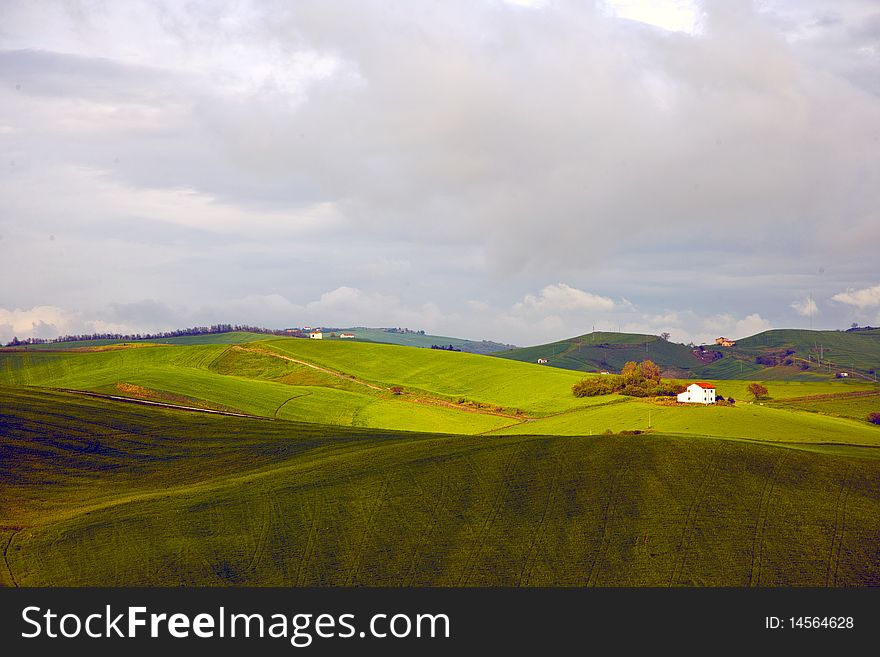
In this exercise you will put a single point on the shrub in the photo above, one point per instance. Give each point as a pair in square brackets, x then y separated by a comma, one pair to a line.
[397, 390]
[757, 390]
[874, 418]
[604, 385]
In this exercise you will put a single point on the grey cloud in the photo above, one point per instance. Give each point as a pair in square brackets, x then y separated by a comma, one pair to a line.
[495, 150]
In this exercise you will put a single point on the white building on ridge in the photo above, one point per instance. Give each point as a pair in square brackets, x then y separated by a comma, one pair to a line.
[698, 393]
[316, 335]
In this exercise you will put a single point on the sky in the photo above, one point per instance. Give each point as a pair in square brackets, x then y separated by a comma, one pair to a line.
[518, 171]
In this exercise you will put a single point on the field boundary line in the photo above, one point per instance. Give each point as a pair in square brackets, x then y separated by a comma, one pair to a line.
[179, 407]
[284, 403]
[369, 530]
[690, 522]
[491, 517]
[6, 557]
[432, 523]
[761, 523]
[311, 538]
[839, 529]
[525, 575]
[608, 522]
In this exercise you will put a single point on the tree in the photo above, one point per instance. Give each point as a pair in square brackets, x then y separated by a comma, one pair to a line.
[874, 418]
[650, 370]
[630, 373]
[665, 336]
[757, 390]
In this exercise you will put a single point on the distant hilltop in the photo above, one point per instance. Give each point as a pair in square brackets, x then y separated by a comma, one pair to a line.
[789, 354]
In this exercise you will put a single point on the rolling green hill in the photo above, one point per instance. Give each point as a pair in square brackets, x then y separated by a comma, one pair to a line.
[386, 336]
[392, 387]
[786, 353]
[599, 351]
[841, 350]
[95, 492]
[230, 337]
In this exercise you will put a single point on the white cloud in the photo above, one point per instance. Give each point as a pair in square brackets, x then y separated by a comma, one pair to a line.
[750, 325]
[201, 153]
[805, 307]
[688, 326]
[865, 298]
[672, 15]
[563, 297]
[52, 321]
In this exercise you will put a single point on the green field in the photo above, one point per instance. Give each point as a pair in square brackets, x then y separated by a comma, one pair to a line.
[375, 464]
[107, 493]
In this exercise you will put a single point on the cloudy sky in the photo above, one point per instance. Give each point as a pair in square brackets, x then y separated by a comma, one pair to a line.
[516, 171]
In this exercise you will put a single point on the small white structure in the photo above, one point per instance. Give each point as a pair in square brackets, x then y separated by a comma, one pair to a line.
[542, 361]
[698, 393]
[346, 336]
[604, 372]
[316, 335]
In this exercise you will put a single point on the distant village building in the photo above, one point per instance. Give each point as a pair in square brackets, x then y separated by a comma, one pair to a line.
[542, 361]
[725, 342]
[316, 335]
[698, 393]
[346, 336]
[604, 372]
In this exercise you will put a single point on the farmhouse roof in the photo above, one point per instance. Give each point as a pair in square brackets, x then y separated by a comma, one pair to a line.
[704, 385]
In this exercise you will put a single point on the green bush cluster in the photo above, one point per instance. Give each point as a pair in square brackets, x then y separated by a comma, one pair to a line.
[635, 380]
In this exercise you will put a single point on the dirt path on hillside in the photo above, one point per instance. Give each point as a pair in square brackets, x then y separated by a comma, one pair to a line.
[338, 375]
[432, 401]
[179, 407]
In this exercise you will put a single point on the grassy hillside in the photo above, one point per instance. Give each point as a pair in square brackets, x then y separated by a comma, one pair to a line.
[231, 337]
[415, 340]
[220, 377]
[103, 493]
[387, 387]
[841, 350]
[745, 421]
[598, 351]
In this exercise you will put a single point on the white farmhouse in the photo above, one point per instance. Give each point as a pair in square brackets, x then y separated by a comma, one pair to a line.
[698, 393]
[316, 335]
[346, 336]
[542, 361]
